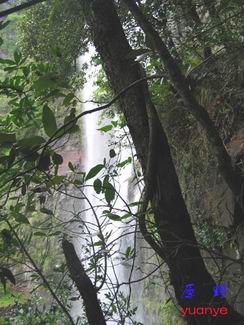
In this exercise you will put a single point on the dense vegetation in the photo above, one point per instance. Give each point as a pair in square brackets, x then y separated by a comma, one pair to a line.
[170, 83]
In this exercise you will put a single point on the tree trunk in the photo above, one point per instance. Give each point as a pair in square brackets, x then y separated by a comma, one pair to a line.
[171, 216]
[228, 172]
[84, 285]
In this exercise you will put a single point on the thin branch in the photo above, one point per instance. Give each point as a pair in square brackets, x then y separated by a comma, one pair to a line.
[39, 272]
[71, 123]
[26, 5]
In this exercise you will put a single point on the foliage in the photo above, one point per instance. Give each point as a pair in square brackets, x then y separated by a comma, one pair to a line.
[38, 88]
[9, 34]
[11, 296]
[31, 313]
[211, 236]
[170, 314]
[42, 35]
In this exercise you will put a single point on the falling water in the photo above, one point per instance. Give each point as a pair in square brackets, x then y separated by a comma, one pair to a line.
[95, 150]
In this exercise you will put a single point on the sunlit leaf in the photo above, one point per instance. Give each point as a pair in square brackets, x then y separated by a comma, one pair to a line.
[106, 128]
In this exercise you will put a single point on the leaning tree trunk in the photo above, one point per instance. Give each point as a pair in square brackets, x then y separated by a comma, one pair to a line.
[171, 216]
[230, 174]
[84, 285]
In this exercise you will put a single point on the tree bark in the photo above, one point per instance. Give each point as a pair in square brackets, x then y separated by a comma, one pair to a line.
[84, 285]
[171, 216]
[228, 172]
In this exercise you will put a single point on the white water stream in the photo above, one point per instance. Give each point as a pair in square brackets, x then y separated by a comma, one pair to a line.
[84, 230]
[96, 148]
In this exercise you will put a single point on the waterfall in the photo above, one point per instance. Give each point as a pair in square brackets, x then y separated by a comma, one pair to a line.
[95, 148]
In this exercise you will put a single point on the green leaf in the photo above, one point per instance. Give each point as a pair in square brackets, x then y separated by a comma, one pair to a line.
[31, 142]
[106, 128]
[9, 69]
[7, 237]
[4, 24]
[115, 123]
[112, 153]
[7, 138]
[44, 163]
[57, 159]
[44, 83]
[109, 192]
[125, 162]
[11, 157]
[74, 129]
[105, 183]
[71, 126]
[56, 233]
[71, 166]
[97, 184]
[23, 189]
[7, 61]
[128, 251]
[68, 99]
[29, 155]
[78, 183]
[46, 211]
[17, 56]
[49, 121]
[126, 216]
[56, 180]
[94, 171]
[98, 243]
[57, 51]
[21, 218]
[113, 216]
[41, 234]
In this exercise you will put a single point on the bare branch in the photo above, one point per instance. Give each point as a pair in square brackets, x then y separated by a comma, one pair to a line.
[23, 6]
